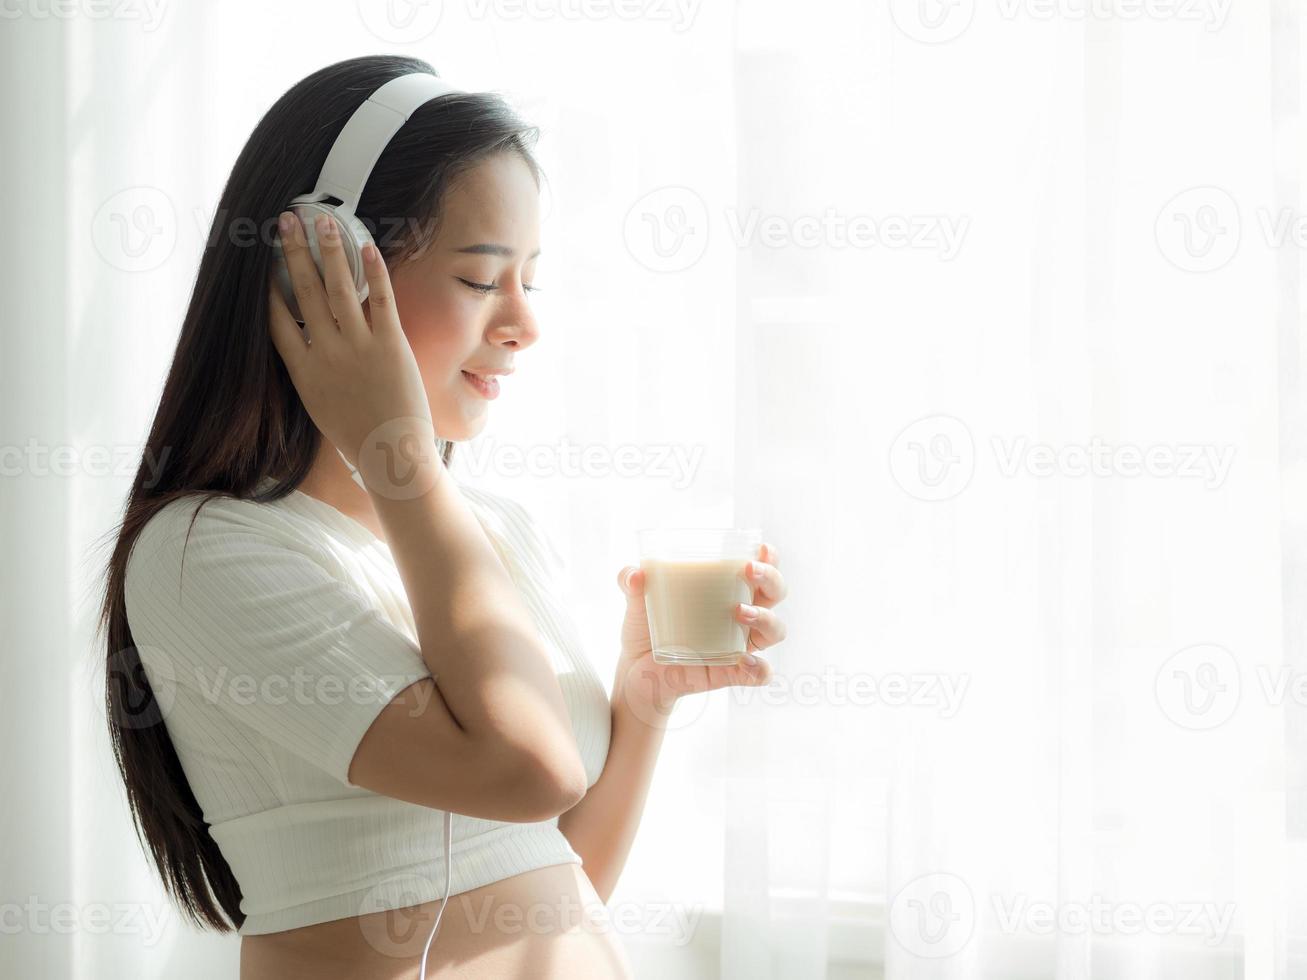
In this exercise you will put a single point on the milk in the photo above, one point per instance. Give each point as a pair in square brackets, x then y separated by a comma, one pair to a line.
[691, 607]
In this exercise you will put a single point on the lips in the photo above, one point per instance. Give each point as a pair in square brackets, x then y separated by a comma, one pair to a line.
[489, 372]
[487, 386]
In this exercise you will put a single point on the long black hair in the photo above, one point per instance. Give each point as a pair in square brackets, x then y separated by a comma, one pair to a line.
[230, 416]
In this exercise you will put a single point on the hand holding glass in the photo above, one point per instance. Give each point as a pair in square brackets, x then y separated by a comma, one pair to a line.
[694, 582]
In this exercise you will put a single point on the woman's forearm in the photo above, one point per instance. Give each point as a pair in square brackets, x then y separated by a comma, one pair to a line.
[601, 828]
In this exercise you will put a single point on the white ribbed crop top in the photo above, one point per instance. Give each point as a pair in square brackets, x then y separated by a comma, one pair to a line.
[270, 657]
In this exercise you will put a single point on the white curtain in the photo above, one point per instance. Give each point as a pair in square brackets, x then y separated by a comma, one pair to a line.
[988, 313]
[1041, 494]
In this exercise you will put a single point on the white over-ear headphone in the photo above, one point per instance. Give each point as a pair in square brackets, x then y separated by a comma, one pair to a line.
[346, 170]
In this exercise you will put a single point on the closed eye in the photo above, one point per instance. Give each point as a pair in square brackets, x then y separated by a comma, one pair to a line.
[482, 287]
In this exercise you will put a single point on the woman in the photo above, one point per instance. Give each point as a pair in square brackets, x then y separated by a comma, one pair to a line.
[305, 672]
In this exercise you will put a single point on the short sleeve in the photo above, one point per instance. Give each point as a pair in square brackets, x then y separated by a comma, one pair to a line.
[254, 620]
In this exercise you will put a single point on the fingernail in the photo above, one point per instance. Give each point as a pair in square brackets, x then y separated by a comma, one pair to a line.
[750, 659]
[755, 569]
[286, 222]
[749, 613]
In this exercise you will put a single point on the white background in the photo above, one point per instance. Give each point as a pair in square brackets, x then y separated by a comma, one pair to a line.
[1081, 247]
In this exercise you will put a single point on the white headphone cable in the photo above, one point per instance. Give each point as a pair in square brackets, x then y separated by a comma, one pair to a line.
[449, 854]
[449, 817]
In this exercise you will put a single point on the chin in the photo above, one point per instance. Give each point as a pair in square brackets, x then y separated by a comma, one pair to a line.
[460, 428]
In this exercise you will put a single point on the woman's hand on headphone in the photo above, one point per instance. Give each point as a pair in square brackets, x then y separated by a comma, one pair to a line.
[359, 382]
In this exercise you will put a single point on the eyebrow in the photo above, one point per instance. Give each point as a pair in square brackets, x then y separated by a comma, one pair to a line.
[501, 250]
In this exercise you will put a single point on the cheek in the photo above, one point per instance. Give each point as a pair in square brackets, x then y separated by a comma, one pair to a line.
[440, 329]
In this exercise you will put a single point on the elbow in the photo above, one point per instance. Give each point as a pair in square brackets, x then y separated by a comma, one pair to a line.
[547, 788]
[572, 787]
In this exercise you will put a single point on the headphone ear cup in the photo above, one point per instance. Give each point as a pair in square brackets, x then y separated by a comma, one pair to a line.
[307, 212]
[353, 236]
[282, 273]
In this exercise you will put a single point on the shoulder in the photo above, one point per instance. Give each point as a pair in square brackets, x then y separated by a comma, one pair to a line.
[211, 520]
[212, 532]
[499, 507]
[518, 528]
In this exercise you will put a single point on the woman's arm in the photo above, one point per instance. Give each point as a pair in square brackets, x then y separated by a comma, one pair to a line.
[475, 632]
[359, 381]
[602, 826]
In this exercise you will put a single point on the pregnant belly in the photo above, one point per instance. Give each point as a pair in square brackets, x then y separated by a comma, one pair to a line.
[548, 923]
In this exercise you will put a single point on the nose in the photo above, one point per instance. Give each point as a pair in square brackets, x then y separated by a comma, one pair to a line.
[515, 326]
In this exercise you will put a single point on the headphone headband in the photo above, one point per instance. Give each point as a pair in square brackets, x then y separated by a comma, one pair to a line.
[370, 128]
[346, 170]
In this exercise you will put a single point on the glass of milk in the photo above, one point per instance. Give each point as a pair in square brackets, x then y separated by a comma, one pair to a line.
[694, 578]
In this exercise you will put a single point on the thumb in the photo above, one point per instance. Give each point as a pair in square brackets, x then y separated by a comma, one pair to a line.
[631, 581]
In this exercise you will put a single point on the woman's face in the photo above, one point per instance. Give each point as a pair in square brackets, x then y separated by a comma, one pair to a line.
[464, 301]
